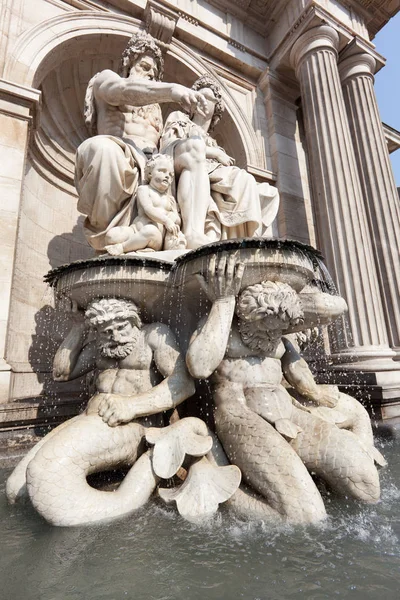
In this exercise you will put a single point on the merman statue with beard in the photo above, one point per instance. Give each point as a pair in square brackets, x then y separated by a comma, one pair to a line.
[275, 440]
[139, 371]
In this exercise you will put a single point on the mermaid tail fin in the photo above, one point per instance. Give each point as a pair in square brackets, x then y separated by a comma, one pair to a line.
[288, 429]
[378, 457]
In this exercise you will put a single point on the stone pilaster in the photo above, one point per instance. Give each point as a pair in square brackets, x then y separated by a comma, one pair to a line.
[379, 190]
[17, 110]
[340, 214]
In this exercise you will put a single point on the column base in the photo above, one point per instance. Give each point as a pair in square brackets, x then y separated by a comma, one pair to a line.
[365, 358]
[378, 391]
[396, 350]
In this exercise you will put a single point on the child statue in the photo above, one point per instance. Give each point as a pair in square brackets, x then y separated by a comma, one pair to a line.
[157, 225]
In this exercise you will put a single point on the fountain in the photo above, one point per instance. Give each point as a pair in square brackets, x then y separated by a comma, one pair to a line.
[186, 288]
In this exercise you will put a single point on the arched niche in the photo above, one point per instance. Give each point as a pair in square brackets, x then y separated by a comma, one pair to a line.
[61, 55]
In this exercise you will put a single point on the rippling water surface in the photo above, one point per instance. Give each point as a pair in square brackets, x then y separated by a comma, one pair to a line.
[155, 555]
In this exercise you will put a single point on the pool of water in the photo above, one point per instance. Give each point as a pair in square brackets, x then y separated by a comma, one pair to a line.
[155, 555]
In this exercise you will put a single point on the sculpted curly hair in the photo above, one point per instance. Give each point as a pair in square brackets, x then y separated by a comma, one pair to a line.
[139, 44]
[108, 309]
[151, 163]
[209, 82]
[270, 299]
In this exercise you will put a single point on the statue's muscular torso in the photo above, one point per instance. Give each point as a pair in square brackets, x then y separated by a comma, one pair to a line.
[253, 379]
[128, 376]
[249, 367]
[140, 124]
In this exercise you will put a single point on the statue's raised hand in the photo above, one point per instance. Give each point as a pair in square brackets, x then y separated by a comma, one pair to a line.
[224, 277]
[190, 100]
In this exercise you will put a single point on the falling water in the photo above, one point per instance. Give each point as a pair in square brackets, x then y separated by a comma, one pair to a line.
[155, 555]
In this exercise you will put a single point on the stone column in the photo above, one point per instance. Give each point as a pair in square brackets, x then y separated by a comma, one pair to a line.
[379, 190]
[341, 221]
[17, 104]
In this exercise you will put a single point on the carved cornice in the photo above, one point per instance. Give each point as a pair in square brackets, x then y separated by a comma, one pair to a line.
[260, 15]
[376, 13]
[313, 16]
[188, 18]
[359, 47]
[392, 137]
[20, 102]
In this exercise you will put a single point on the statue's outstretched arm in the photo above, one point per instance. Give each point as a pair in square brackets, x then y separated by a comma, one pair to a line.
[297, 372]
[208, 344]
[176, 387]
[115, 90]
[73, 358]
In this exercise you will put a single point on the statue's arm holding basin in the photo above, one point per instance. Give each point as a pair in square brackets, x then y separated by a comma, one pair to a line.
[74, 358]
[209, 342]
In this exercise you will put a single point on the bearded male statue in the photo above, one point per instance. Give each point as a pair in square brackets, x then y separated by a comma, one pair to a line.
[139, 372]
[273, 439]
[123, 115]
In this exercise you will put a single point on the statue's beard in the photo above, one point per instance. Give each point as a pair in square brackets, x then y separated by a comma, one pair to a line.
[110, 350]
[263, 342]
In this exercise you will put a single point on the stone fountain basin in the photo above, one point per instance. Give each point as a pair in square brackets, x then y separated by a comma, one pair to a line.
[271, 260]
[145, 281]
[161, 288]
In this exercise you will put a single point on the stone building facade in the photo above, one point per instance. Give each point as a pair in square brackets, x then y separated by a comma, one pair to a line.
[301, 114]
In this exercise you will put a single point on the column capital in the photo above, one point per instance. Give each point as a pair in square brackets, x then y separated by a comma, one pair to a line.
[354, 65]
[314, 39]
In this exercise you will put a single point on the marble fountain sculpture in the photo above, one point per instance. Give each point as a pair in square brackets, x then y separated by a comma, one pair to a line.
[186, 288]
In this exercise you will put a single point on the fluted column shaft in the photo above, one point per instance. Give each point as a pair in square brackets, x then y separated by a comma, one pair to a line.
[377, 181]
[341, 220]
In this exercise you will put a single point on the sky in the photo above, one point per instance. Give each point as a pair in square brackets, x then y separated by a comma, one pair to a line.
[387, 82]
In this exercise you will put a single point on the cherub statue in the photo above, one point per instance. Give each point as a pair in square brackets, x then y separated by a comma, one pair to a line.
[157, 225]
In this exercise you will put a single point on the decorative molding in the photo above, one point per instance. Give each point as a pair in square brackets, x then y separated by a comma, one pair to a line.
[39, 42]
[188, 18]
[300, 20]
[236, 44]
[392, 137]
[20, 102]
[160, 22]
[375, 13]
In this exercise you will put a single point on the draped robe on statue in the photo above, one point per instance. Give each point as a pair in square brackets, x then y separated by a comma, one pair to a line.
[108, 171]
[242, 207]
